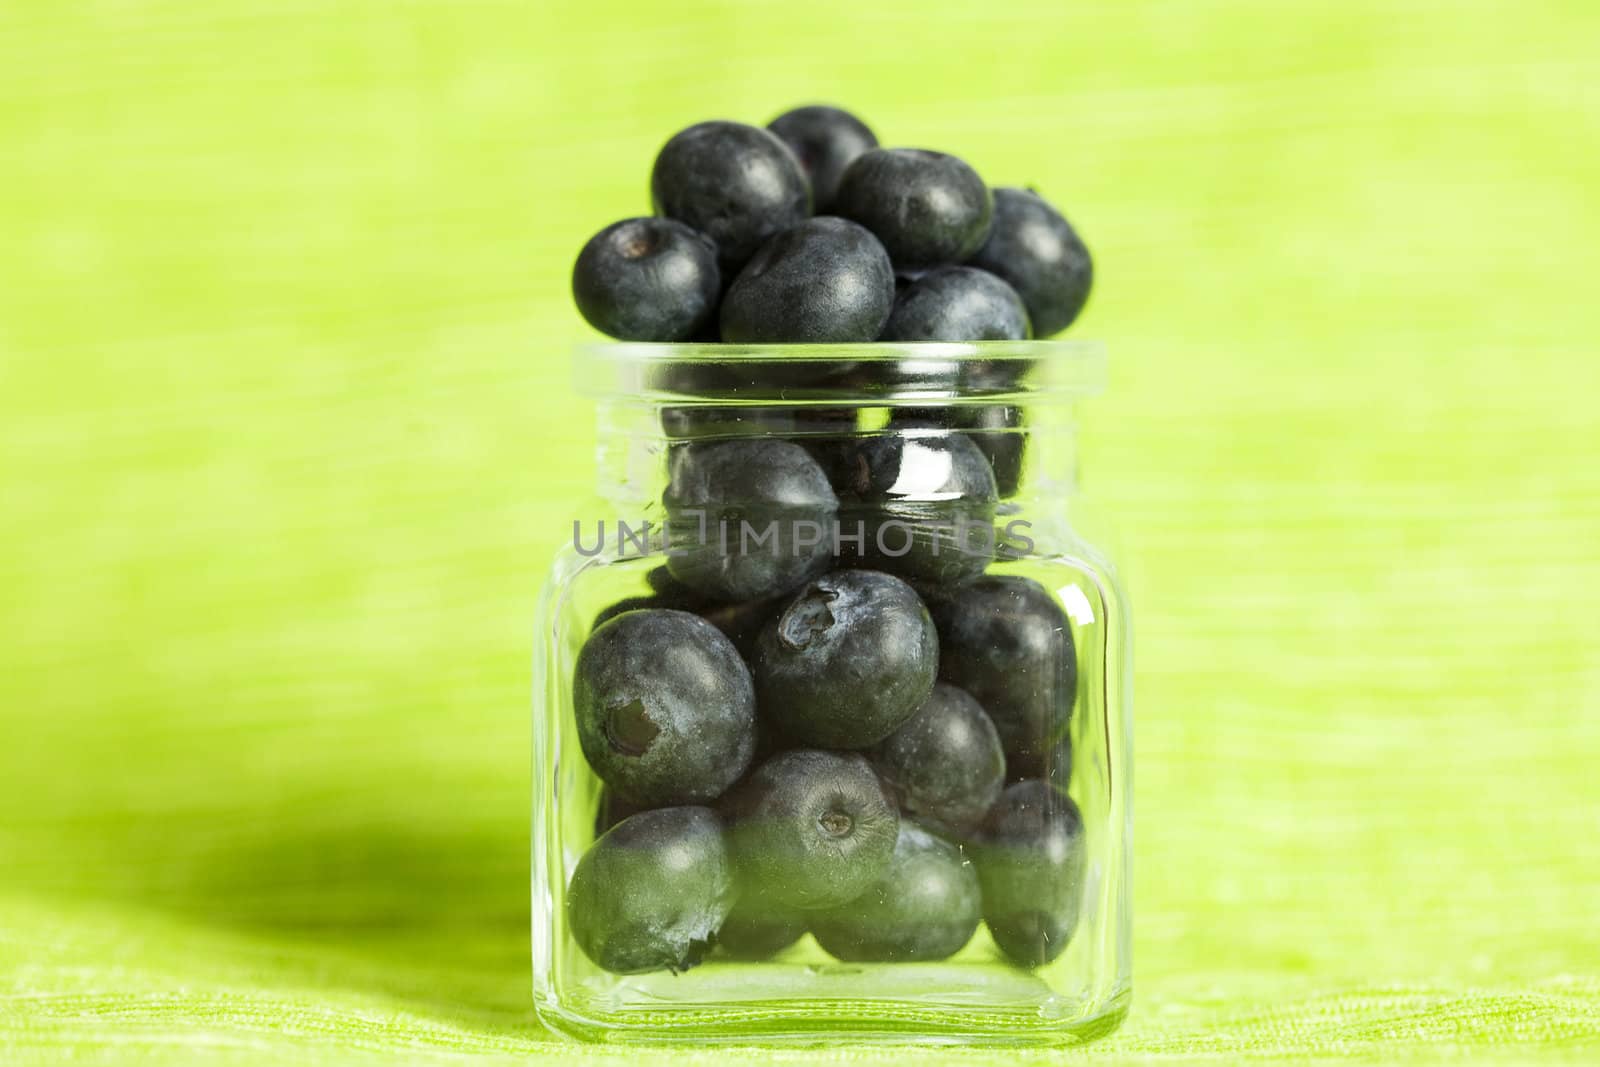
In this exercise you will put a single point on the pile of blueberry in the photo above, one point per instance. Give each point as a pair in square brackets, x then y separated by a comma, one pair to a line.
[872, 747]
[879, 765]
[808, 232]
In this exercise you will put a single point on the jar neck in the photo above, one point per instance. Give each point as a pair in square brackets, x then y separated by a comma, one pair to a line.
[1032, 446]
[933, 401]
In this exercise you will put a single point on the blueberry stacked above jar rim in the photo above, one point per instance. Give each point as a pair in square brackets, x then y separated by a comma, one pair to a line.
[873, 749]
[808, 232]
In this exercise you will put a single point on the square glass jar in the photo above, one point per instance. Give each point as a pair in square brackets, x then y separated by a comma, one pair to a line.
[923, 448]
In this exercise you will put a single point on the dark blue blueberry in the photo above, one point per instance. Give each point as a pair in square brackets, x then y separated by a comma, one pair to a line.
[850, 659]
[998, 430]
[925, 906]
[957, 304]
[927, 501]
[811, 829]
[1006, 641]
[758, 930]
[665, 707]
[1031, 862]
[647, 280]
[928, 208]
[823, 281]
[652, 892]
[826, 140]
[736, 184]
[944, 765]
[1041, 256]
[741, 514]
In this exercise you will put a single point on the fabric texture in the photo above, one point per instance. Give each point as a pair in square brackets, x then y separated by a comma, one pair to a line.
[286, 437]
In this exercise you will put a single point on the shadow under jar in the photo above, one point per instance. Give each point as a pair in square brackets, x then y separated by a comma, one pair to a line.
[832, 705]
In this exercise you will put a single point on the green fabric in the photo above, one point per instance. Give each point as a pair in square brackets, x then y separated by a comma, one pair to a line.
[285, 438]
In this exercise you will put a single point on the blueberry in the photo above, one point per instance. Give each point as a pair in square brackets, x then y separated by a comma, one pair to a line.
[824, 281]
[1041, 256]
[957, 304]
[1006, 641]
[647, 280]
[742, 515]
[925, 906]
[999, 431]
[850, 659]
[758, 930]
[927, 499]
[944, 765]
[651, 893]
[1031, 863]
[665, 707]
[826, 140]
[927, 208]
[736, 184]
[811, 829]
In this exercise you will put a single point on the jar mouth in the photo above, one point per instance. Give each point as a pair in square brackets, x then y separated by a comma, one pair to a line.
[886, 372]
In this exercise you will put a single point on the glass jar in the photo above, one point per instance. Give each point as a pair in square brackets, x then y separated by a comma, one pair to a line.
[868, 781]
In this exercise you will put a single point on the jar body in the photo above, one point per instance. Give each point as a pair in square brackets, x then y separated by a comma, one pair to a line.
[1029, 943]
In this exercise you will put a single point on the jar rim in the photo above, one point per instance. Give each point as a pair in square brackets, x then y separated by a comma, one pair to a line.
[896, 371]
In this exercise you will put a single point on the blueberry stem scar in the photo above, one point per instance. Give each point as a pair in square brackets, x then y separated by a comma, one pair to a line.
[835, 823]
[806, 618]
[630, 729]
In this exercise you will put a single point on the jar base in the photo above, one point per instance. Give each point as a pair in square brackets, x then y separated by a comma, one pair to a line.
[645, 1016]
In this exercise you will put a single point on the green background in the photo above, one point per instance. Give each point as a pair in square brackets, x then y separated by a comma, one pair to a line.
[286, 438]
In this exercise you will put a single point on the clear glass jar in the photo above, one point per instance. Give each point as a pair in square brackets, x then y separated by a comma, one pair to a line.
[964, 879]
